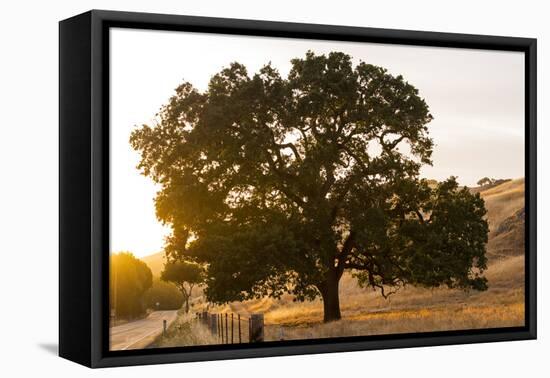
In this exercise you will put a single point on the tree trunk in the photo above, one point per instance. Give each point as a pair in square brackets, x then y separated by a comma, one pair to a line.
[188, 298]
[331, 299]
[185, 297]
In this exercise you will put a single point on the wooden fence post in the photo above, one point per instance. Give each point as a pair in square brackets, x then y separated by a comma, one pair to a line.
[214, 323]
[221, 326]
[164, 327]
[205, 317]
[231, 328]
[239, 320]
[226, 338]
[256, 328]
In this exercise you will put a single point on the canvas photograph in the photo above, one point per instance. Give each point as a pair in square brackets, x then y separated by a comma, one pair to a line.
[266, 189]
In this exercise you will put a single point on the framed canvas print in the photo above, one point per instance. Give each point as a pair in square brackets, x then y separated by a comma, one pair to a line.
[235, 188]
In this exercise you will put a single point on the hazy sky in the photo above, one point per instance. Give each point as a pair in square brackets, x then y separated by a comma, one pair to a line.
[475, 96]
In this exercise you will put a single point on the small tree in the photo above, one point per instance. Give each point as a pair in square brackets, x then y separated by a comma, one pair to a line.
[485, 181]
[185, 275]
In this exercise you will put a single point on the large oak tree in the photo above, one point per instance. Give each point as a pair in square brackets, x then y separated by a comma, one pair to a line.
[283, 184]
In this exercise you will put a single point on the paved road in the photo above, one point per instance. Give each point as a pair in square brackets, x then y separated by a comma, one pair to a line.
[140, 333]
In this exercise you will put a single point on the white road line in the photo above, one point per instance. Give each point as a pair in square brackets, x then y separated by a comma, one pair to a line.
[141, 338]
[124, 336]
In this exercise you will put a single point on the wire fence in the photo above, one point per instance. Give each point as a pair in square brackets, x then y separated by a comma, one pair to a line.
[231, 328]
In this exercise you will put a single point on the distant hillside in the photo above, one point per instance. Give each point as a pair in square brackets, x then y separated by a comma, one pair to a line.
[505, 205]
[503, 200]
[155, 262]
[485, 187]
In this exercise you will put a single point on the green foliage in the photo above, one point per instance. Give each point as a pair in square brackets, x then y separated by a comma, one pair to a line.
[184, 275]
[165, 294]
[182, 271]
[281, 184]
[443, 242]
[129, 280]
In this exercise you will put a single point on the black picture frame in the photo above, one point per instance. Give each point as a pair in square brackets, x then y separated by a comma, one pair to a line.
[84, 186]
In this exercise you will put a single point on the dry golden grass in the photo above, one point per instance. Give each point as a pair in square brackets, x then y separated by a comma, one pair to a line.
[365, 312]
[444, 318]
[186, 330]
[503, 200]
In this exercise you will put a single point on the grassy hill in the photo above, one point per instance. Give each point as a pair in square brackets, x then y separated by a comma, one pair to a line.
[505, 205]
[503, 200]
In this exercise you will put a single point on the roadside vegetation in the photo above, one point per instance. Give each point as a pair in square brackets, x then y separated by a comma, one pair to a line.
[186, 330]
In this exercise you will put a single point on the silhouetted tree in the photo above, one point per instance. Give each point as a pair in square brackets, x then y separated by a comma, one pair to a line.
[282, 184]
[185, 275]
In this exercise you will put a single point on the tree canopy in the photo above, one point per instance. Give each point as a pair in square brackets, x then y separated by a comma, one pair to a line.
[184, 275]
[282, 184]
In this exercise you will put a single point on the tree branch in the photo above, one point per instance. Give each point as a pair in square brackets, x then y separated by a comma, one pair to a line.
[420, 217]
[357, 159]
[328, 183]
[306, 139]
[391, 145]
[295, 198]
[341, 199]
[348, 245]
[292, 147]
